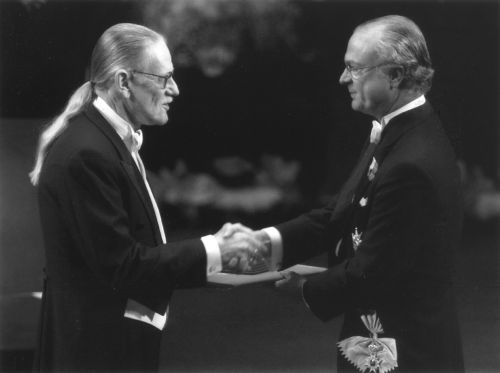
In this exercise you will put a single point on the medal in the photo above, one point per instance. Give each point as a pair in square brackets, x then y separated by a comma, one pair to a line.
[372, 170]
[356, 239]
[372, 354]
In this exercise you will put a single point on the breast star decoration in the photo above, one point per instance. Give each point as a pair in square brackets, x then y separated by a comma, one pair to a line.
[356, 239]
[372, 170]
[372, 355]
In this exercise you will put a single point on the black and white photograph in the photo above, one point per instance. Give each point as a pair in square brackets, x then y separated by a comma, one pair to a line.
[250, 186]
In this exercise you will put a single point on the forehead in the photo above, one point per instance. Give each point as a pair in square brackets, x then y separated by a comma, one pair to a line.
[361, 48]
[158, 59]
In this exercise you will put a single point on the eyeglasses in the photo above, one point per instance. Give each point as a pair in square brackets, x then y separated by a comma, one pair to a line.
[358, 72]
[164, 78]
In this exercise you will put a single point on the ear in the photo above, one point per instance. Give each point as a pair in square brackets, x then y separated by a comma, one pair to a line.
[396, 75]
[122, 80]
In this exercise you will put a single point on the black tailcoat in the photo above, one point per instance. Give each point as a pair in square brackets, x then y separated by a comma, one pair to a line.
[103, 247]
[408, 218]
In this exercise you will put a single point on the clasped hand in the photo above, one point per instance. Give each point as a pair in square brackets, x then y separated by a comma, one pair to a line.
[242, 249]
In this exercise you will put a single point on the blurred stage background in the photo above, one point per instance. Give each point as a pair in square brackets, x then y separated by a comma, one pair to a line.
[261, 132]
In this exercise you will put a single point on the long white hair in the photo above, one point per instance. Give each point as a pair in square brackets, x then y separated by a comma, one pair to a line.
[120, 47]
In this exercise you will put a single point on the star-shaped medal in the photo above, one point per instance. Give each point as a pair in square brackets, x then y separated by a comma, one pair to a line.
[356, 239]
[372, 170]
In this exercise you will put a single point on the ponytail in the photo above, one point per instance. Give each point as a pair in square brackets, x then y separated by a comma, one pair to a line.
[119, 47]
[81, 97]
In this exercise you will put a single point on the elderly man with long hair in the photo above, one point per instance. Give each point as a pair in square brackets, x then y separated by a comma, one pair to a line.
[110, 271]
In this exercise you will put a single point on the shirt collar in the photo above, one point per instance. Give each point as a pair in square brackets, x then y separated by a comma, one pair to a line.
[410, 105]
[124, 129]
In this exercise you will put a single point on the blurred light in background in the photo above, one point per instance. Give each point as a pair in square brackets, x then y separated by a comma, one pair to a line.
[212, 34]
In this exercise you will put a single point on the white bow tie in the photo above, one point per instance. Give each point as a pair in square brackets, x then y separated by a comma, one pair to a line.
[376, 132]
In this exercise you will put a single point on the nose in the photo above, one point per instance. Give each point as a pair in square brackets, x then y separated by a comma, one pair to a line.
[172, 88]
[345, 77]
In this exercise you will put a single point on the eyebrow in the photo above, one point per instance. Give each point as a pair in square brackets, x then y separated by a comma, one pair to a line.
[170, 72]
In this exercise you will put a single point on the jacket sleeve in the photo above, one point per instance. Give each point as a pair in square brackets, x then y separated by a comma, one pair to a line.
[101, 228]
[309, 234]
[399, 223]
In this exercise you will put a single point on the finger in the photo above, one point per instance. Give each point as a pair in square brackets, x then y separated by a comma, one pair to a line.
[257, 263]
[233, 262]
[232, 229]
[281, 283]
[243, 265]
[255, 245]
[247, 242]
[242, 228]
[286, 275]
[267, 248]
[227, 230]
[254, 259]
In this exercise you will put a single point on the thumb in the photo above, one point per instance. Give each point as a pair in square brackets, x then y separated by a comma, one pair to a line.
[227, 230]
[286, 277]
[280, 283]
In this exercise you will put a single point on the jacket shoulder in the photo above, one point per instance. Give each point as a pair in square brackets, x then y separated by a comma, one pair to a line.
[81, 137]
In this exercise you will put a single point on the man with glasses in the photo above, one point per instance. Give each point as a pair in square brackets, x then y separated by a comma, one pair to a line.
[110, 271]
[392, 231]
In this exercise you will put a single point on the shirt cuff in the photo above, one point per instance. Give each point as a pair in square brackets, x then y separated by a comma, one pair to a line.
[276, 247]
[214, 261]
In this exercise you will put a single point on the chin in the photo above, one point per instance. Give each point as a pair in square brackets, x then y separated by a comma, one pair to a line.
[164, 119]
[161, 120]
[355, 105]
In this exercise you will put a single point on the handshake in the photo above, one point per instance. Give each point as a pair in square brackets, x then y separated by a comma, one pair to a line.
[244, 250]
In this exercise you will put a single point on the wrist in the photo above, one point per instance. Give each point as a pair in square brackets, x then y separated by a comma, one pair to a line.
[263, 237]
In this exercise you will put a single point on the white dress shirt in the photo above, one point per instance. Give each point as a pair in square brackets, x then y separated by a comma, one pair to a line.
[125, 130]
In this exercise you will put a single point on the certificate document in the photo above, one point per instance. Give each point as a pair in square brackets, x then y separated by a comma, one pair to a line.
[231, 279]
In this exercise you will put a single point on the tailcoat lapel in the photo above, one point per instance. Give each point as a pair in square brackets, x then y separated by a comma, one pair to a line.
[127, 162]
[396, 128]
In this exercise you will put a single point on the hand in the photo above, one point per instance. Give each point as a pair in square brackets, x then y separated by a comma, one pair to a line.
[264, 248]
[291, 285]
[229, 229]
[241, 250]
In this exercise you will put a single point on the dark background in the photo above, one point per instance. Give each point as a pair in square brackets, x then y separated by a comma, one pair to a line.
[267, 102]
